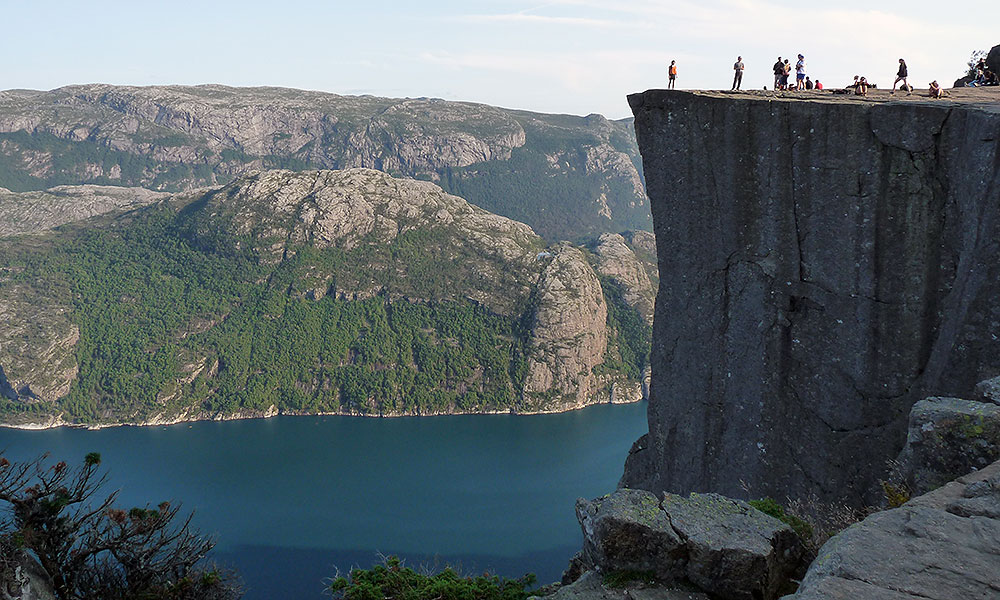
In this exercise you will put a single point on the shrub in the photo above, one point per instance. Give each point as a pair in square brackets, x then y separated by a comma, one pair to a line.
[91, 549]
[769, 507]
[392, 580]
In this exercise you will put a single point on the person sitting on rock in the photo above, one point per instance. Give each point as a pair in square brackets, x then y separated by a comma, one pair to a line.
[862, 88]
[854, 85]
[936, 91]
[990, 78]
[979, 80]
[809, 83]
[818, 85]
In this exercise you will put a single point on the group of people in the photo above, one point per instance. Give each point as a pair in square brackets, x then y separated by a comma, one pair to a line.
[783, 70]
[860, 85]
[984, 75]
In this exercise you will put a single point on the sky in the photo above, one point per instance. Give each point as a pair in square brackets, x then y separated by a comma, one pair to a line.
[561, 56]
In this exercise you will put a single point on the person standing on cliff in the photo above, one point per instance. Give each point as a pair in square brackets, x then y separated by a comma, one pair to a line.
[778, 68]
[800, 73]
[672, 75]
[901, 76]
[738, 75]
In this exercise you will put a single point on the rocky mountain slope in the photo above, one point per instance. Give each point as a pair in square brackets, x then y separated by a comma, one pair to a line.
[567, 177]
[301, 292]
[825, 262]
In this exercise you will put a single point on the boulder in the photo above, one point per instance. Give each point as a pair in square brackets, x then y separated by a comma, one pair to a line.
[629, 531]
[940, 546]
[948, 437]
[989, 390]
[22, 578]
[724, 547]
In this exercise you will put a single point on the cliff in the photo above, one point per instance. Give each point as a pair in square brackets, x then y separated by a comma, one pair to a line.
[825, 261]
[567, 177]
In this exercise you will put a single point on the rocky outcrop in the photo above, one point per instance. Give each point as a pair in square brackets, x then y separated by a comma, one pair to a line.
[721, 546]
[591, 586]
[617, 261]
[948, 437]
[568, 333]
[989, 390]
[940, 546]
[825, 263]
[276, 212]
[31, 212]
[174, 138]
[38, 348]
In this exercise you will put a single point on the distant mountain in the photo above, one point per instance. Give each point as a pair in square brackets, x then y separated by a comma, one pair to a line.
[567, 177]
[306, 292]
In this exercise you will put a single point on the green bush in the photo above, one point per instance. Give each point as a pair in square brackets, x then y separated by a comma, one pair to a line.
[392, 580]
[769, 507]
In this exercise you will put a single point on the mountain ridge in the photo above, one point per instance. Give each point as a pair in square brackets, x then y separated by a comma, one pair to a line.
[568, 177]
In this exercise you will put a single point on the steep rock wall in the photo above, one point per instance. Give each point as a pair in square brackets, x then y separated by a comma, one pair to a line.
[824, 263]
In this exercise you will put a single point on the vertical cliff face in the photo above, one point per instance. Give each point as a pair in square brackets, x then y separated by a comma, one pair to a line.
[824, 264]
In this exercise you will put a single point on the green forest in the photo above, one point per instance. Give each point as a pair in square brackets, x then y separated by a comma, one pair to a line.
[169, 321]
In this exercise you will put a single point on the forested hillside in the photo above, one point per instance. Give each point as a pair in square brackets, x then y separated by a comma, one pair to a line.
[347, 292]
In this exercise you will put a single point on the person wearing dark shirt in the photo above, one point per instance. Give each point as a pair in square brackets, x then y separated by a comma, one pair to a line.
[779, 70]
[809, 84]
[901, 76]
[738, 75]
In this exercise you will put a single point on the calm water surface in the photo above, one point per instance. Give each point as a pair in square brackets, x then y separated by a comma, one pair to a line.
[292, 499]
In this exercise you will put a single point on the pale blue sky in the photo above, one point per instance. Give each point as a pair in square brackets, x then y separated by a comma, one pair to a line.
[573, 56]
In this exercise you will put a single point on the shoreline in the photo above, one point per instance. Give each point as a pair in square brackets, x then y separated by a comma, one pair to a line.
[273, 411]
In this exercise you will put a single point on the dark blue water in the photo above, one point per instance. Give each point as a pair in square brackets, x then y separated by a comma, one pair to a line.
[293, 499]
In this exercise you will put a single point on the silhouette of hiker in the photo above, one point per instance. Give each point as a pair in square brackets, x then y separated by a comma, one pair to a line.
[672, 75]
[738, 75]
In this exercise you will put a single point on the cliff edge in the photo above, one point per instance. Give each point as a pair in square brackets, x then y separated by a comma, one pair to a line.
[825, 261]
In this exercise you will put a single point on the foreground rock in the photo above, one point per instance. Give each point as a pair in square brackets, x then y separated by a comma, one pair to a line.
[943, 545]
[826, 262]
[591, 586]
[948, 437]
[989, 390]
[721, 546]
[22, 578]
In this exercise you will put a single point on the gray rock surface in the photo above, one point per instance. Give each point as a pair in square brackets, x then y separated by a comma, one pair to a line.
[22, 578]
[825, 262]
[948, 437]
[944, 545]
[989, 390]
[617, 261]
[569, 332]
[722, 546]
[31, 212]
[591, 587]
